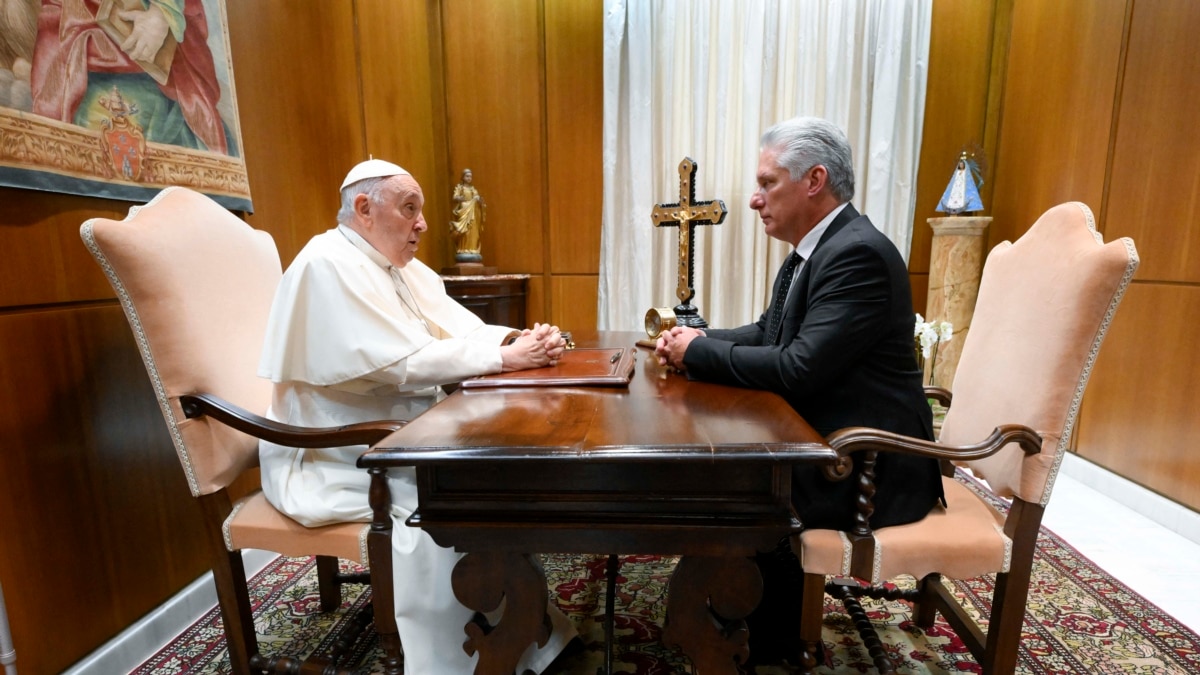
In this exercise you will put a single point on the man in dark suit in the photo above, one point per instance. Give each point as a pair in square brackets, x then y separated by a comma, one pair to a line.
[840, 349]
[837, 338]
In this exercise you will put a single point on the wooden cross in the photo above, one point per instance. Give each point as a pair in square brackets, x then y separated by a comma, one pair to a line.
[686, 214]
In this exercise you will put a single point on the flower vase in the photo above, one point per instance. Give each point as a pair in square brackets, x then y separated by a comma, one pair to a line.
[939, 410]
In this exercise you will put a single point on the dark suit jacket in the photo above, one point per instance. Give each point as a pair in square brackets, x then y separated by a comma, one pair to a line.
[845, 358]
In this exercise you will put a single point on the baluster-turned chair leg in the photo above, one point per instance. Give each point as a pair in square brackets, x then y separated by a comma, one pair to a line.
[848, 591]
[614, 563]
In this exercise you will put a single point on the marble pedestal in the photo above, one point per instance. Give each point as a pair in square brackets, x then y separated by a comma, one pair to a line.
[955, 266]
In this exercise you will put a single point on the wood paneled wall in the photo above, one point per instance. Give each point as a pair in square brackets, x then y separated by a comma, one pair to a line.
[300, 103]
[1141, 416]
[523, 84]
[574, 134]
[1059, 96]
[95, 508]
[404, 106]
[956, 105]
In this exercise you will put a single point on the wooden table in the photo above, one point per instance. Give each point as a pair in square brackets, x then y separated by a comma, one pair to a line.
[667, 466]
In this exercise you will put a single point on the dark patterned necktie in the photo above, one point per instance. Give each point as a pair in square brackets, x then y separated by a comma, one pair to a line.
[785, 282]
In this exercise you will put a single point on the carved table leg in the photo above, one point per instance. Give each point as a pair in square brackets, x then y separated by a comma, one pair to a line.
[701, 587]
[481, 581]
[379, 555]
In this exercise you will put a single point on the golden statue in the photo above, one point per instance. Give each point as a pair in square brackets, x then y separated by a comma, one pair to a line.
[469, 214]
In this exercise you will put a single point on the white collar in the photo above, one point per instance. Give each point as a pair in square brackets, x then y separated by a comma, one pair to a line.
[809, 242]
[363, 245]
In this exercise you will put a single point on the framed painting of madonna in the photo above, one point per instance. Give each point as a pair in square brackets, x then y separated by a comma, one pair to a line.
[119, 99]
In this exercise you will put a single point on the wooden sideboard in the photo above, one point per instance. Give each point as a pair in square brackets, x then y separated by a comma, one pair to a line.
[497, 299]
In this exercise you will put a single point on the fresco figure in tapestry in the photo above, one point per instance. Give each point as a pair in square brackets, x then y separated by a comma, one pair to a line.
[18, 30]
[152, 56]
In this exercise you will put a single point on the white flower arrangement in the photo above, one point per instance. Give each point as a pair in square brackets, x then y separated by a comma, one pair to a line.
[927, 335]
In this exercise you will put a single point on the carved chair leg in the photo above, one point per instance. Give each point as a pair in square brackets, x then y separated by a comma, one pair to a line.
[925, 606]
[1012, 591]
[229, 576]
[1004, 627]
[327, 583]
[234, 599]
[812, 613]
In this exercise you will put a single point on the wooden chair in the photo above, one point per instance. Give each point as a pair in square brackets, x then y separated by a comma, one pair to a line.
[1045, 303]
[196, 284]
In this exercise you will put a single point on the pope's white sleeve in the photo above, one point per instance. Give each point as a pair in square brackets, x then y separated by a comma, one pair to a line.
[442, 362]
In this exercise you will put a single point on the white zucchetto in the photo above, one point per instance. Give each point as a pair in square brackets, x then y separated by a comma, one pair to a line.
[372, 168]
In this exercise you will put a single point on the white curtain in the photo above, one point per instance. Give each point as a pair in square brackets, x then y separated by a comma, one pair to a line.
[704, 79]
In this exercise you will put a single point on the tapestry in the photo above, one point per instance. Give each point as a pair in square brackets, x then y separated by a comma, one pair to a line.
[1079, 620]
[119, 99]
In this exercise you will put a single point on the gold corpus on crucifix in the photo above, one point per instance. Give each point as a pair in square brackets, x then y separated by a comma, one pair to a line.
[686, 214]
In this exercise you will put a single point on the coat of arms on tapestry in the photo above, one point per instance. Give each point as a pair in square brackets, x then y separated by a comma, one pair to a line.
[119, 99]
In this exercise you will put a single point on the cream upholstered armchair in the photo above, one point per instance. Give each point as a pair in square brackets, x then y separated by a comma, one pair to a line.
[1044, 305]
[196, 284]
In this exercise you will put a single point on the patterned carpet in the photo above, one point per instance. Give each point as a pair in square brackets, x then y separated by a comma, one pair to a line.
[1079, 620]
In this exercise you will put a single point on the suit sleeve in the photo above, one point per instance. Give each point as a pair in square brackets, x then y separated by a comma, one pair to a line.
[749, 335]
[848, 308]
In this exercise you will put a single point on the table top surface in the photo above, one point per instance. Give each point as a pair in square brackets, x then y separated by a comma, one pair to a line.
[484, 277]
[661, 410]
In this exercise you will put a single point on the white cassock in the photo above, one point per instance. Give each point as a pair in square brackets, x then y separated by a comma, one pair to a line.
[353, 339]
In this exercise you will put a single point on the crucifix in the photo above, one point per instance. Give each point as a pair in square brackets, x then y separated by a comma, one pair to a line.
[686, 215]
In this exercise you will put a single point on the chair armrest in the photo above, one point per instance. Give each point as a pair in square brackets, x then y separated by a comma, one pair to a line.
[366, 433]
[872, 441]
[940, 394]
[856, 439]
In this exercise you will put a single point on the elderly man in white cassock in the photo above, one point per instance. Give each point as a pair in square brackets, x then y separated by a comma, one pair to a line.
[360, 330]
